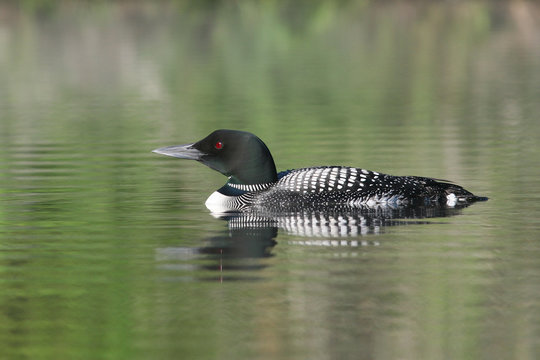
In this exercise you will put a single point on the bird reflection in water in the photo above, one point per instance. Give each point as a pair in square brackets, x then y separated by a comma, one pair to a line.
[240, 250]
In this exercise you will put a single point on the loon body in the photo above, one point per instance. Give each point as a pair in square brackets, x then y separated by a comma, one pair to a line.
[254, 183]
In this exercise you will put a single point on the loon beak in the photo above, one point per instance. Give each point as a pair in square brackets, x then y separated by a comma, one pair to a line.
[186, 151]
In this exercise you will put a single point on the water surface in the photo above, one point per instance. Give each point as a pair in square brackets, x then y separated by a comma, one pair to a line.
[107, 250]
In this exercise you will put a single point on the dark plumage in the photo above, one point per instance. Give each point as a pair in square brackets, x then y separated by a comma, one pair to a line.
[254, 183]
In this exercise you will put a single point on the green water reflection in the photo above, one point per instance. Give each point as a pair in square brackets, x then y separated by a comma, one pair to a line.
[107, 251]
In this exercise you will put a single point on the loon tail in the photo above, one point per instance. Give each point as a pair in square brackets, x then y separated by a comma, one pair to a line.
[463, 195]
[452, 191]
[480, 198]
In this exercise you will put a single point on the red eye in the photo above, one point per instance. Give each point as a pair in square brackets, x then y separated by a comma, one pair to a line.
[218, 145]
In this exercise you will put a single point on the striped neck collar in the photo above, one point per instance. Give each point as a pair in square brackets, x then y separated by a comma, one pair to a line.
[250, 187]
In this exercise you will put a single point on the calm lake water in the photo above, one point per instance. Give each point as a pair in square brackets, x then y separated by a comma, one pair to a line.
[108, 252]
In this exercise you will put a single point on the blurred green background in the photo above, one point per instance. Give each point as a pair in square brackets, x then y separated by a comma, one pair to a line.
[445, 89]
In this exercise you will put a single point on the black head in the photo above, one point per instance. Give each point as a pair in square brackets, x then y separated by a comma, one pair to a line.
[239, 154]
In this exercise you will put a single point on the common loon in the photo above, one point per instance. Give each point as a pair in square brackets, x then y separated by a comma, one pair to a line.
[254, 183]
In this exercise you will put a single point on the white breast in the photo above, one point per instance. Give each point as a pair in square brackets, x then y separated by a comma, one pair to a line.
[219, 203]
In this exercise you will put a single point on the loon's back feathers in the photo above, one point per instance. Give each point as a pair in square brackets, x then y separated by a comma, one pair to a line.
[347, 187]
[254, 184]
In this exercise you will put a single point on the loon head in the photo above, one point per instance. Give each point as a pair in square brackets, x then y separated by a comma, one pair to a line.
[238, 154]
